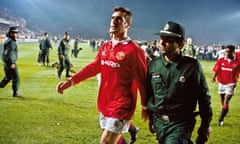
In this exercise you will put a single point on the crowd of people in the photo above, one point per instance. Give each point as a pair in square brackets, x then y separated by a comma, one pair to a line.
[199, 52]
[166, 72]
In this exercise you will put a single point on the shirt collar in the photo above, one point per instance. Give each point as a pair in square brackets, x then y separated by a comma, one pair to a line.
[180, 56]
[126, 41]
[234, 58]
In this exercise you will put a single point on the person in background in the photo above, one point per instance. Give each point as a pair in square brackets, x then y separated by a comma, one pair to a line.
[123, 68]
[9, 57]
[221, 52]
[45, 45]
[189, 49]
[226, 70]
[76, 49]
[176, 83]
[63, 52]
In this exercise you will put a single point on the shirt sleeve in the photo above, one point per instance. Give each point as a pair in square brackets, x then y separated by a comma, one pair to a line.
[88, 71]
[216, 66]
[60, 48]
[204, 100]
[140, 73]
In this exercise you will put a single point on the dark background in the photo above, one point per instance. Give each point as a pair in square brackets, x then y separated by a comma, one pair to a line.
[206, 21]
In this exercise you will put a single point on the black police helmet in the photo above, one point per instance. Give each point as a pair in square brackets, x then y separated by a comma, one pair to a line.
[172, 29]
[13, 29]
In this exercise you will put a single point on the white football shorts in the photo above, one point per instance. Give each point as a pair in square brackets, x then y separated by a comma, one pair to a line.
[113, 124]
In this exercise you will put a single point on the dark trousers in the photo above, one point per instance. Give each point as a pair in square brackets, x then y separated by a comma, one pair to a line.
[75, 52]
[45, 57]
[10, 74]
[174, 132]
[64, 63]
[39, 58]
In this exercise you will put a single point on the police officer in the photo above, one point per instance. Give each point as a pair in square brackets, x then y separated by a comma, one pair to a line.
[9, 57]
[176, 84]
[45, 44]
[63, 52]
[75, 49]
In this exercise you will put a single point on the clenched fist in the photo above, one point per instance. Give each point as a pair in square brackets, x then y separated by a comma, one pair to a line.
[61, 86]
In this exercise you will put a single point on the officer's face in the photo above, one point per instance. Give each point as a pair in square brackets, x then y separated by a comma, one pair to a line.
[13, 35]
[118, 23]
[169, 46]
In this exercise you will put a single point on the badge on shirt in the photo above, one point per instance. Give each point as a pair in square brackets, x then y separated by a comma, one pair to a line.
[120, 55]
[155, 75]
[182, 79]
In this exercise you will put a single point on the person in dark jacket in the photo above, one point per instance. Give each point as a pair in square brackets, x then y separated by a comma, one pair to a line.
[176, 85]
[76, 49]
[45, 45]
[9, 57]
[63, 52]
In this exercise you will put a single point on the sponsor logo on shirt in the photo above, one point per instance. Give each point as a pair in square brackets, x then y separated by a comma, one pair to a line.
[226, 69]
[110, 63]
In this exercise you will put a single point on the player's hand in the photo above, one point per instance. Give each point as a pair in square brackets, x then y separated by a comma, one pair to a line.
[62, 86]
[213, 80]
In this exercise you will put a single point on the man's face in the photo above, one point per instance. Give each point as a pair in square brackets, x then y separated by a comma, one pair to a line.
[169, 46]
[118, 23]
[66, 36]
[13, 35]
[229, 53]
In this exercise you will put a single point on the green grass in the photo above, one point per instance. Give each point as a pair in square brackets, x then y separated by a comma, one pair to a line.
[45, 117]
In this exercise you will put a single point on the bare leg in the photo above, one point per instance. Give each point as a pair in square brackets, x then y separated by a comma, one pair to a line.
[109, 137]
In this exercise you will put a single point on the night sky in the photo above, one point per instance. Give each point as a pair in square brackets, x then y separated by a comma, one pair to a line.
[206, 21]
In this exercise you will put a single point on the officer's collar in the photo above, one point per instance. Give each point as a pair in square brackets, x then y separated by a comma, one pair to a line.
[166, 63]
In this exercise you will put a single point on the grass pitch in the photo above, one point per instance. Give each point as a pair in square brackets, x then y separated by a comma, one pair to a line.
[45, 117]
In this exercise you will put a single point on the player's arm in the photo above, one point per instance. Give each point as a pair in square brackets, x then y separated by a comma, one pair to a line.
[87, 72]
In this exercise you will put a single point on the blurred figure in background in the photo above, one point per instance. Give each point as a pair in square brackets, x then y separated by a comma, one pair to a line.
[226, 70]
[76, 49]
[9, 57]
[63, 52]
[45, 45]
[189, 49]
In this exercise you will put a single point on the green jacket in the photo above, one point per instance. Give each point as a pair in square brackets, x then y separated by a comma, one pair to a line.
[10, 51]
[64, 47]
[45, 44]
[175, 89]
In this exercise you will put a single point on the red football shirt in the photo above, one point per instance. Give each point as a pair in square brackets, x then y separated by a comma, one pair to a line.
[123, 69]
[227, 70]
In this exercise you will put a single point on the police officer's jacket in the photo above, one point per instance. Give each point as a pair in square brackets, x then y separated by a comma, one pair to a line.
[175, 88]
[45, 44]
[10, 52]
[64, 47]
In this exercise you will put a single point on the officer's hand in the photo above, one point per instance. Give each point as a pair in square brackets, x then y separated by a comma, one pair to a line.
[203, 135]
[12, 66]
[62, 86]
[151, 126]
[62, 56]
